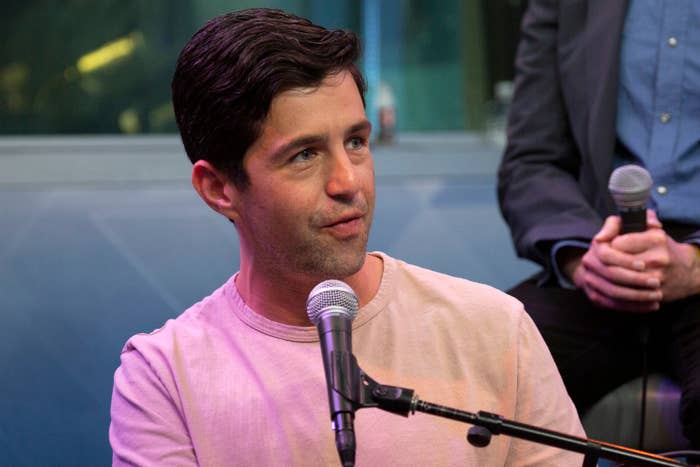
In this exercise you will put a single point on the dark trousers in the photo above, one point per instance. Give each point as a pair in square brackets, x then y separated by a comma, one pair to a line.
[597, 350]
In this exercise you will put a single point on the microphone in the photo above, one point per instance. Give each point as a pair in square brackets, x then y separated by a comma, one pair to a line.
[629, 186]
[331, 306]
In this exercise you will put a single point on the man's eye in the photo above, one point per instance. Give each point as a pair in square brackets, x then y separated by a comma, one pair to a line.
[305, 155]
[356, 143]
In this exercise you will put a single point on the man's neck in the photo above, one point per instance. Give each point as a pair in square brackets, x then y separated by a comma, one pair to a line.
[283, 298]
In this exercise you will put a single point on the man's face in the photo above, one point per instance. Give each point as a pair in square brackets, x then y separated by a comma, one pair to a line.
[309, 204]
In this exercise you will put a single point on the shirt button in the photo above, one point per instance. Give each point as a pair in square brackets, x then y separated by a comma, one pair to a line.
[661, 190]
[665, 117]
[672, 41]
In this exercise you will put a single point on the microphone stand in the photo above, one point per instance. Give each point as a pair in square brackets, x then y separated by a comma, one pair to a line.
[368, 393]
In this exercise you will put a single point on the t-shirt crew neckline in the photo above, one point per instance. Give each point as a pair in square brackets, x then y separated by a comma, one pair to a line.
[309, 333]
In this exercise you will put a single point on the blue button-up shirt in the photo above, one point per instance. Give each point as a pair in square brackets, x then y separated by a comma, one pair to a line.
[658, 117]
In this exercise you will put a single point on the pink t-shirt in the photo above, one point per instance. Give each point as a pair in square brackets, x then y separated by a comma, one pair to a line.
[221, 385]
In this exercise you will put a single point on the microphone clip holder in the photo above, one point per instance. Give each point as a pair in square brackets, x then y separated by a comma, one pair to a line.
[357, 387]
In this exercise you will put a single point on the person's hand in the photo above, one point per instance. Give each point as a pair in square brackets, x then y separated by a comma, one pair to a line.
[675, 265]
[615, 278]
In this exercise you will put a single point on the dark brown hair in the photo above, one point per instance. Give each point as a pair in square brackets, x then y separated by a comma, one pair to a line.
[236, 64]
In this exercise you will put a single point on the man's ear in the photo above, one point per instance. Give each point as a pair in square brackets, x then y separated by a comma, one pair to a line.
[216, 189]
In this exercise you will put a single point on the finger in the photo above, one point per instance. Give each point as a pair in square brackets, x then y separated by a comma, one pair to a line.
[656, 261]
[603, 254]
[628, 278]
[639, 242]
[653, 220]
[620, 292]
[610, 229]
[600, 299]
[617, 274]
[633, 307]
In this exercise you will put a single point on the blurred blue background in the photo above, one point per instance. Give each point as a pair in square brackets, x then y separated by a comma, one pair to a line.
[101, 234]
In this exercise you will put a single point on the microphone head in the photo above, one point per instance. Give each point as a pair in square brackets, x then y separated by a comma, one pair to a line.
[629, 186]
[331, 296]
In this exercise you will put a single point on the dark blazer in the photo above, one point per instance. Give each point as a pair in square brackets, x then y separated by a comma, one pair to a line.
[552, 182]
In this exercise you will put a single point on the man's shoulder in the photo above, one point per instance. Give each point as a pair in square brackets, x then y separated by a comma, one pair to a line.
[455, 292]
[197, 322]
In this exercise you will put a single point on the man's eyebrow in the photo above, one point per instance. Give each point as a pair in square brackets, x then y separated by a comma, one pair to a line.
[361, 126]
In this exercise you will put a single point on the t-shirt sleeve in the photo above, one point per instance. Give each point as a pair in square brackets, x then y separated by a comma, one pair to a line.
[146, 428]
[542, 401]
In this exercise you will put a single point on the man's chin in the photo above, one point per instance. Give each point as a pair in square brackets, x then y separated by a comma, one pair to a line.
[346, 267]
[335, 264]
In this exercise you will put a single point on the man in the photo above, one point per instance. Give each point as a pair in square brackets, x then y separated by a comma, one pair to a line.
[600, 85]
[270, 109]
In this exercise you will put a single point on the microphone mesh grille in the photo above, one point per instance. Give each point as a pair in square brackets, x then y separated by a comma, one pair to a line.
[334, 296]
[629, 185]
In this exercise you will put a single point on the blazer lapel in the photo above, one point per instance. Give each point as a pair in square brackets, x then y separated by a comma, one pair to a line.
[604, 23]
